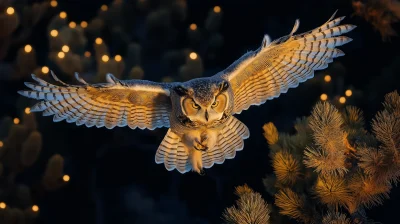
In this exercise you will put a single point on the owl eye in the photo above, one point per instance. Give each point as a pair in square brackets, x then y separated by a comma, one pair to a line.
[195, 105]
[215, 104]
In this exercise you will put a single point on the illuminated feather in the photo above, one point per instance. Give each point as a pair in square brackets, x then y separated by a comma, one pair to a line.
[284, 63]
[134, 103]
[174, 155]
[230, 140]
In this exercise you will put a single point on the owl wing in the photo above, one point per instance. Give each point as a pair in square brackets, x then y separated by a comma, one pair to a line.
[284, 63]
[133, 103]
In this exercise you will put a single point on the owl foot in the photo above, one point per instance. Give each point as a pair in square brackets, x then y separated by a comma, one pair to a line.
[200, 146]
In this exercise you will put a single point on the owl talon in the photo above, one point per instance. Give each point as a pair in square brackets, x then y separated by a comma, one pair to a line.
[202, 148]
[199, 146]
[202, 172]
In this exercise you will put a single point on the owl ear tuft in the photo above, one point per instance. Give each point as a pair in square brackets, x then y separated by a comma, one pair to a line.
[181, 91]
[223, 86]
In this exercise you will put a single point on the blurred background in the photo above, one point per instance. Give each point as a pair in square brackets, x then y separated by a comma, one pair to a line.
[60, 173]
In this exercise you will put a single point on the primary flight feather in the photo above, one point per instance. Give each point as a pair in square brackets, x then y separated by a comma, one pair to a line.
[198, 113]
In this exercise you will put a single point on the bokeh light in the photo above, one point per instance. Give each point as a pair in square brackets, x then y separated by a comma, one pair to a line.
[16, 120]
[348, 92]
[45, 69]
[72, 25]
[87, 54]
[327, 78]
[84, 24]
[27, 110]
[99, 40]
[1, 144]
[324, 97]
[28, 48]
[217, 9]
[66, 178]
[61, 54]
[53, 3]
[118, 57]
[35, 208]
[193, 56]
[54, 33]
[3, 205]
[63, 15]
[10, 10]
[104, 7]
[105, 58]
[193, 26]
[342, 99]
[65, 48]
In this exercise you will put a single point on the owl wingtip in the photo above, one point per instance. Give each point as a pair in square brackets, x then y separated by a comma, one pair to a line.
[112, 79]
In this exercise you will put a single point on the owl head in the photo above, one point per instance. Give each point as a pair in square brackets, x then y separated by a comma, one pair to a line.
[203, 102]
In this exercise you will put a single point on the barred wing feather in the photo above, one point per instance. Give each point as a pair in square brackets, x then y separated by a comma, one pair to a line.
[284, 63]
[133, 103]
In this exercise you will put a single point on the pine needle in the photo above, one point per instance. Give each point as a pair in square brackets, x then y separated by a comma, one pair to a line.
[271, 133]
[291, 204]
[336, 218]
[250, 208]
[332, 190]
[286, 168]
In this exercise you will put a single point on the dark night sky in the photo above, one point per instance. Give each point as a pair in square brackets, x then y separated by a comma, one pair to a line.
[114, 177]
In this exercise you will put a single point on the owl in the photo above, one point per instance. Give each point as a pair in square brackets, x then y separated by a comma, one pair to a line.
[200, 112]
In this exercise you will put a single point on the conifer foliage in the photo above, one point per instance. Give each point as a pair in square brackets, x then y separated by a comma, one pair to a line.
[333, 169]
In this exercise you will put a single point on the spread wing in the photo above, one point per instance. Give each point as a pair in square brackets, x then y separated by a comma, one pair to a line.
[133, 103]
[284, 63]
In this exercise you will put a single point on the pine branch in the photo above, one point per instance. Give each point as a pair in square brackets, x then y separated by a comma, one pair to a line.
[250, 208]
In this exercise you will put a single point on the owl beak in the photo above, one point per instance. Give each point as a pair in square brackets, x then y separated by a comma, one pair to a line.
[206, 115]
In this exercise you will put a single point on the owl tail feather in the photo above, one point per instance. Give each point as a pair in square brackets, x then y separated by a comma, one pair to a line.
[173, 154]
[230, 140]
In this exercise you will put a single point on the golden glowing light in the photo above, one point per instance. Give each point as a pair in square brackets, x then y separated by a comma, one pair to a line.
[118, 57]
[35, 208]
[61, 54]
[348, 92]
[104, 7]
[72, 25]
[3, 205]
[1, 144]
[87, 54]
[16, 120]
[217, 9]
[27, 110]
[28, 48]
[63, 15]
[66, 178]
[45, 69]
[10, 11]
[327, 78]
[53, 3]
[105, 58]
[342, 99]
[193, 26]
[65, 48]
[54, 33]
[193, 56]
[99, 40]
[324, 97]
[84, 24]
